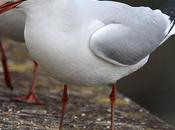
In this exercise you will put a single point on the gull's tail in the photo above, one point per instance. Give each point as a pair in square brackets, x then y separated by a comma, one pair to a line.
[172, 29]
[169, 31]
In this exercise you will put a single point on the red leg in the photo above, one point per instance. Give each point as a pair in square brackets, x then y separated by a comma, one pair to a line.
[7, 76]
[64, 103]
[32, 97]
[113, 99]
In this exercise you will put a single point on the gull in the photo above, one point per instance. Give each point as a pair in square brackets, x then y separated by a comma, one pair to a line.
[12, 26]
[91, 43]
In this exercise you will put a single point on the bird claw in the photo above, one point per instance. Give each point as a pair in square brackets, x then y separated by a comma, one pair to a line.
[31, 98]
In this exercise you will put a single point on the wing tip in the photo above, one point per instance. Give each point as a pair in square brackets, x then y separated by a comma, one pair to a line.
[172, 32]
[171, 29]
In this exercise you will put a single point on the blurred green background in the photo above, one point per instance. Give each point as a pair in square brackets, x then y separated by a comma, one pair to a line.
[153, 86]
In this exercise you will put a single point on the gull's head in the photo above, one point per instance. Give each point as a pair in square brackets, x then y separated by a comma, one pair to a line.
[9, 5]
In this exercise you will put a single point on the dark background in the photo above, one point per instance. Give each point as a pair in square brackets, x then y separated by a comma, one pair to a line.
[153, 86]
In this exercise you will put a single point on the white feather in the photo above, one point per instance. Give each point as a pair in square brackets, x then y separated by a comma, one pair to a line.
[60, 42]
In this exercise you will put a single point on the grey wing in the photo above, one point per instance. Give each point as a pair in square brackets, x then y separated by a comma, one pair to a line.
[117, 43]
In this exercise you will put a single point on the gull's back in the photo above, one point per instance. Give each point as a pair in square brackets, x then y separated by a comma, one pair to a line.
[146, 29]
[12, 25]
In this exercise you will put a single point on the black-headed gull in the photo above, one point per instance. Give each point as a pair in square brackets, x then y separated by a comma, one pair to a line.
[12, 26]
[88, 42]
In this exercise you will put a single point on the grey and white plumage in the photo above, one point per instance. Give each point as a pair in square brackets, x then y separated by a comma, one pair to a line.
[87, 42]
[129, 40]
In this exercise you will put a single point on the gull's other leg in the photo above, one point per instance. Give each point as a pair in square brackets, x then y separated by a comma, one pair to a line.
[113, 100]
[64, 104]
[7, 76]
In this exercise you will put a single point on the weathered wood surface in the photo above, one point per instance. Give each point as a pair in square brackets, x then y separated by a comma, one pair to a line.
[88, 108]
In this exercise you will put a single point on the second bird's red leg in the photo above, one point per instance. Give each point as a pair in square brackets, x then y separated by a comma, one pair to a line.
[113, 99]
[32, 97]
[64, 104]
[7, 76]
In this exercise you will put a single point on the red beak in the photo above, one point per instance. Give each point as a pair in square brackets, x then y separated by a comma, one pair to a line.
[9, 5]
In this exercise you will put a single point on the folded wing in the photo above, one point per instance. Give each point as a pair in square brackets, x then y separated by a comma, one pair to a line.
[119, 44]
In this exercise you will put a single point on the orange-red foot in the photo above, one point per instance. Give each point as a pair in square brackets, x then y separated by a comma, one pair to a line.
[31, 98]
